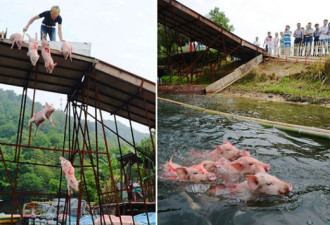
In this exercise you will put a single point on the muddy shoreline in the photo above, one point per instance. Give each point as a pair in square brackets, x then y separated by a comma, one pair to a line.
[232, 92]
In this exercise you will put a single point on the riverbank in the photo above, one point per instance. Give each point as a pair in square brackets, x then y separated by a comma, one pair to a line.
[277, 82]
[285, 82]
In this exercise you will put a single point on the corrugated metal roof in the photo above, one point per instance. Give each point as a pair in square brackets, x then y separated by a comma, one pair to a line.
[184, 20]
[117, 88]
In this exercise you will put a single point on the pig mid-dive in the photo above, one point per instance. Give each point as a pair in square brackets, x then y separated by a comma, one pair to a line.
[45, 52]
[33, 49]
[43, 115]
[226, 150]
[68, 172]
[66, 49]
[18, 39]
[229, 172]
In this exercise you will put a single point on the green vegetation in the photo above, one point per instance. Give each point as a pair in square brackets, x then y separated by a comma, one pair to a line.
[220, 18]
[44, 179]
[295, 82]
[204, 75]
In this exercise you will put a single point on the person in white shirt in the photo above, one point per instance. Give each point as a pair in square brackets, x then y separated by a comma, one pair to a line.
[256, 42]
[324, 36]
[276, 43]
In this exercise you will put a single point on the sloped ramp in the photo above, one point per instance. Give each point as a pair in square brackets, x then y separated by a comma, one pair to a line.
[237, 74]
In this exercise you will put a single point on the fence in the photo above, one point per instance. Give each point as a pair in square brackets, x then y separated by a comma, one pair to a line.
[316, 49]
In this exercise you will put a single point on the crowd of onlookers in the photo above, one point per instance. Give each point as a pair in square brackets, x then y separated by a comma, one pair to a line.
[303, 38]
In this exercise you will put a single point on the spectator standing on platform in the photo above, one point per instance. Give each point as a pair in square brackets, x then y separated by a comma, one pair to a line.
[282, 42]
[51, 17]
[324, 35]
[256, 42]
[276, 41]
[298, 37]
[309, 38]
[316, 34]
[267, 41]
[287, 39]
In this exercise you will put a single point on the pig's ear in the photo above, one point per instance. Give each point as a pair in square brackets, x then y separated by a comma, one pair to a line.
[226, 142]
[47, 105]
[218, 148]
[237, 166]
[252, 182]
[182, 173]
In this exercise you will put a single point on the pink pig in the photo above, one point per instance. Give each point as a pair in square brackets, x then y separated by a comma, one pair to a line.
[262, 183]
[196, 173]
[230, 172]
[18, 39]
[66, 49]
[33, 49]
[68, 172]
[41, 116]
[169, 169]
[226, 150]
[45, 52]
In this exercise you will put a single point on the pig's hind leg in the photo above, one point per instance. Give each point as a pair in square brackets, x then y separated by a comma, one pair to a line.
[37, 127]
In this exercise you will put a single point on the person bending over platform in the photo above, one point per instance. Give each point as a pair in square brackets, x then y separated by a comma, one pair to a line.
[51, 17]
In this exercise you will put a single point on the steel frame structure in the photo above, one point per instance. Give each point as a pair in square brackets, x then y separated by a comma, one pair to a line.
[77, 142]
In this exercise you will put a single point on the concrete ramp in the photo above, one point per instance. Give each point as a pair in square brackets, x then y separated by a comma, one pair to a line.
[237, 74]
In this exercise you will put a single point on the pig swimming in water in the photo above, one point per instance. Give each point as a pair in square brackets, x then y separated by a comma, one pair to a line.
[41, 116]
[226, 150]
[256, 185]
[195, 173]
[68, 172]
[229, 172]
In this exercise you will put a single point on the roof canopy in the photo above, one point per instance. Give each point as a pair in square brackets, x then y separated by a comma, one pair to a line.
[120, 92]
[178, 17]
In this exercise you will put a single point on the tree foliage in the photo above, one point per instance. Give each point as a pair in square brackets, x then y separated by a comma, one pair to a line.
[220, 18]
[46, 179]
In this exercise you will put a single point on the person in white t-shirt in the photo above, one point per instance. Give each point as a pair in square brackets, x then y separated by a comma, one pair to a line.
[256, 42]
[276, 43]
[324, 35]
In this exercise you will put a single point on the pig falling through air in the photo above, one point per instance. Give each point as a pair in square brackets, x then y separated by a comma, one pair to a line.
[18, 39]
[66, 49]
[45, 52]
[68, 172]
[43, 115]
[33, 49]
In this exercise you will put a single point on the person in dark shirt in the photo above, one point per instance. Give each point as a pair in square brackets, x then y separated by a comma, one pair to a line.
[51, 17]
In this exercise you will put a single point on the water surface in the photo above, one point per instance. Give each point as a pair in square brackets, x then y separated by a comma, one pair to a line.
[302, 161]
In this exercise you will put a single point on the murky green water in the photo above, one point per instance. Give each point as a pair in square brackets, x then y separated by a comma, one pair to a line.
[301, 114]
[302, 161]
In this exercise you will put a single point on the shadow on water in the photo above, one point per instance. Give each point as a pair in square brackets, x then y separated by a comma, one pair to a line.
[302, 161]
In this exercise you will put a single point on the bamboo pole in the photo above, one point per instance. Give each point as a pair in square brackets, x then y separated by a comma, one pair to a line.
[303, 130]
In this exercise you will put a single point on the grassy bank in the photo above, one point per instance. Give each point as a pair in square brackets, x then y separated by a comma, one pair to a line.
[294, 81]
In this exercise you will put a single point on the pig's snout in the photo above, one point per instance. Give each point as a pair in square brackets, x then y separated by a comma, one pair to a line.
[267, 167]
[286, 190]
[212, 177]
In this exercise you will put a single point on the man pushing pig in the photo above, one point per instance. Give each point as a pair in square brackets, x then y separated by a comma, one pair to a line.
[51, 17]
